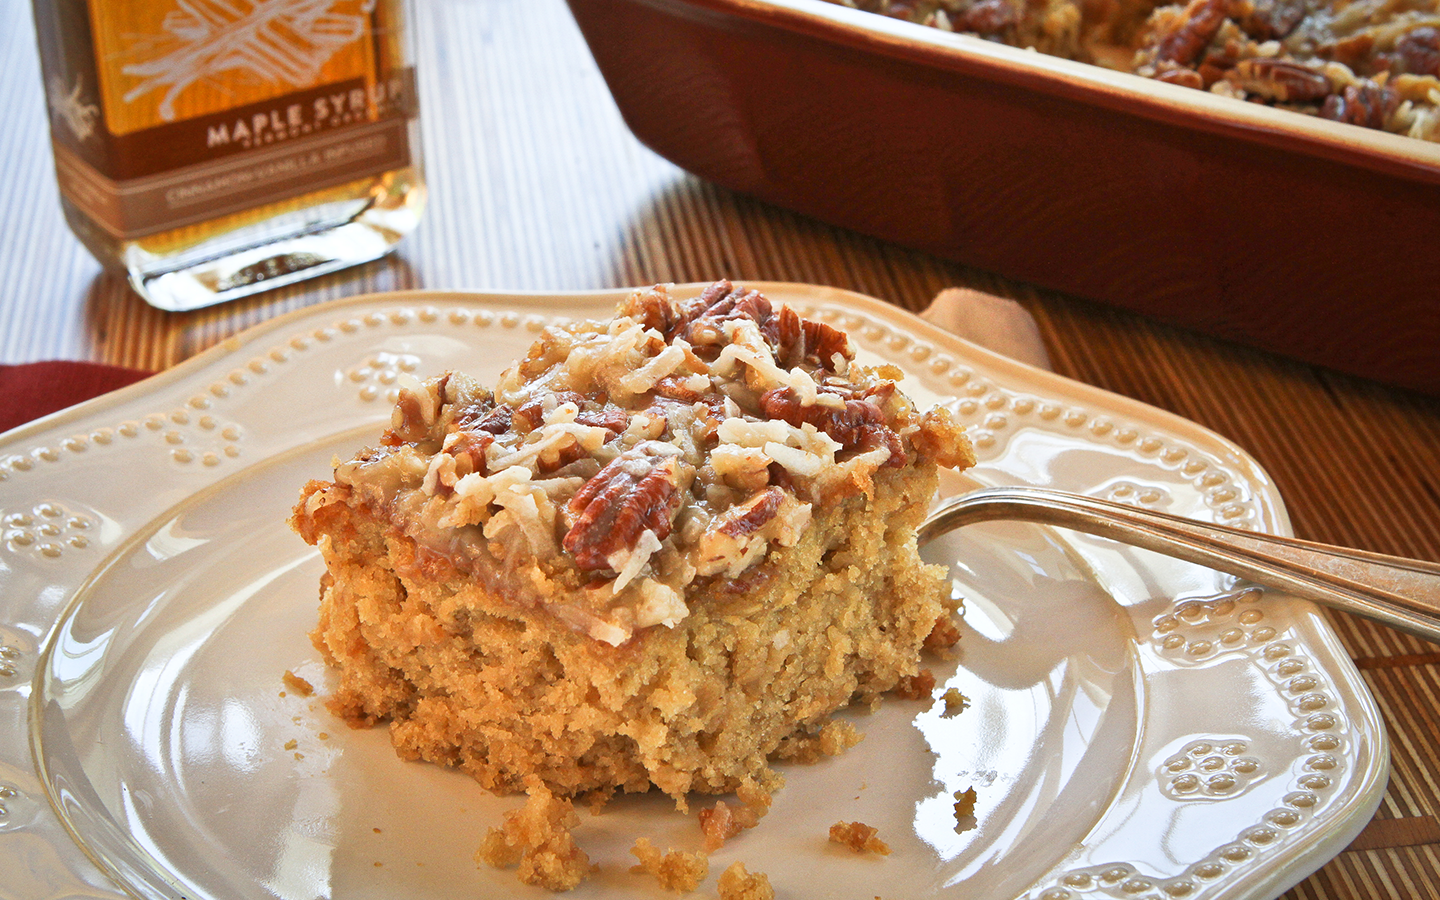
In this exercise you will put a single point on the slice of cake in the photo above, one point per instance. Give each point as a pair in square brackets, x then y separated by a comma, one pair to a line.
[663, 545]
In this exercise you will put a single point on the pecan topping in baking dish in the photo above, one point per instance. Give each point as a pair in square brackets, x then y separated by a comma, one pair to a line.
[1373, 64]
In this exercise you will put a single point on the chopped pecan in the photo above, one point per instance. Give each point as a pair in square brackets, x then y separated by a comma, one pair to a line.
[1419, 51]
[703, 317]
[1181, 76]
[1196, 28]
[1367, 104]
[559, 457]
[1216, 63]
[609, 417]
[780, 477]
[746, 518]
[467, 400]
[1272, 21]
[800, 340]
[407, 420]
[531, 414]
[674, 387]
[496, 421]
[987, 17]
[673, 393]
[636, 493]
[468, 448]
[909, 10]
[1353, 51]
[652, 309]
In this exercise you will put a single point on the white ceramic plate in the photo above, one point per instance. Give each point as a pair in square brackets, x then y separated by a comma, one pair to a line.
[1137, 728]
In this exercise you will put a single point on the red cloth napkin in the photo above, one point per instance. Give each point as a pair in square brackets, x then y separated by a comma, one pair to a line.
[31, 390]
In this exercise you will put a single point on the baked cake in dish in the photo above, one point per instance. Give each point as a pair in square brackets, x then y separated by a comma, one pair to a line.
[662, 545]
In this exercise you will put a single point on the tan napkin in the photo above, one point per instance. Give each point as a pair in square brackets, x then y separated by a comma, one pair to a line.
[994, 323]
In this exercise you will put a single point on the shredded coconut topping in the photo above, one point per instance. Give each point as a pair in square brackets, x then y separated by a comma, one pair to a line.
[683, 439]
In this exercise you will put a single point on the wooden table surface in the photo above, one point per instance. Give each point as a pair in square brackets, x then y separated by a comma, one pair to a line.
[537, 185]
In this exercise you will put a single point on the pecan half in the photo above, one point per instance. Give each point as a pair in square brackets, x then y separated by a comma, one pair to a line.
[1198, 24]
[859, 425]
[636, 493]
[1279, 80]
[1419, 51]
[702, 319]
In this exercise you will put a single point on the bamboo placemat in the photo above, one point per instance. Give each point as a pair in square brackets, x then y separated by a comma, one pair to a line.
[537, 184]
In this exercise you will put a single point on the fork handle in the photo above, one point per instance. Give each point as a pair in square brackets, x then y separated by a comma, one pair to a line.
[1403, 593]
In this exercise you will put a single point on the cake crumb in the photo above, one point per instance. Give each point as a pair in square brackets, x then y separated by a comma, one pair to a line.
[943, 636]
[955, 702]
[965, 809]
[917, 686]
[291, 744]
[737, 883]
[834, 737]
[722, 821]
[536, 838]
[297, 684]
[858, 837]
[599, 798]
[678, 870]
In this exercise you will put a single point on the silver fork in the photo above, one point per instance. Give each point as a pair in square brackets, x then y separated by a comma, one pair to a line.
[1403, 593]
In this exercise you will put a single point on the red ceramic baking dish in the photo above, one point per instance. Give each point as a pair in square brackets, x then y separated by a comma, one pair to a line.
[1313, 238]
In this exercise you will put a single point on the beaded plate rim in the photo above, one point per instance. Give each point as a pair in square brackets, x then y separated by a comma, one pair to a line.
[995, 398]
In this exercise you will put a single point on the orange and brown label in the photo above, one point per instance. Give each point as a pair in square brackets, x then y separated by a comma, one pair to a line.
[209, 107]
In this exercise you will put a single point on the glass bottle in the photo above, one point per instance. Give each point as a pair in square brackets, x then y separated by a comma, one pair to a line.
[211, 149]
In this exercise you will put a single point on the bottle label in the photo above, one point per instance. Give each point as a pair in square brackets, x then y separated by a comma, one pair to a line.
[203, 108]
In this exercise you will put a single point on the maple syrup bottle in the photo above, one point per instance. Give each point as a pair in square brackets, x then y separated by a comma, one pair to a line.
[211, 149]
